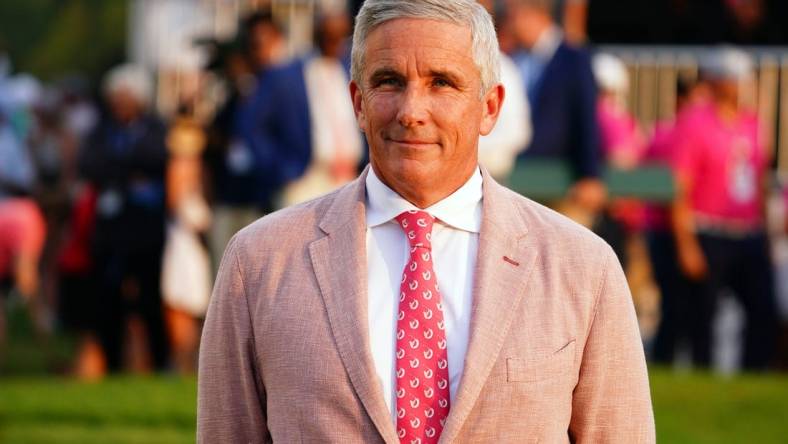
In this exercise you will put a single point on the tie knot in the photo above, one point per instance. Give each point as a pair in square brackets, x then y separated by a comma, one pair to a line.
[417, 226]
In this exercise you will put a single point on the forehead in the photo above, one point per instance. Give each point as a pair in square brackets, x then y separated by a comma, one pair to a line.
[400, 43]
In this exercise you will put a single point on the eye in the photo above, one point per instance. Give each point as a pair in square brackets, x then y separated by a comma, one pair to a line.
[388, 81]
[441, 82]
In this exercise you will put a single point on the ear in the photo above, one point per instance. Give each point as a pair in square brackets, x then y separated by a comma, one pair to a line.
[358, 107]
[492, 103]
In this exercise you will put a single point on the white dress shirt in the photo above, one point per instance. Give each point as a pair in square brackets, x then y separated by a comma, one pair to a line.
[455, 242]
[548, 42]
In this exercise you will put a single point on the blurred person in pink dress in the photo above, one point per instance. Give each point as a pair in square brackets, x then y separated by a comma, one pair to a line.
[186, 268]
[718, 217]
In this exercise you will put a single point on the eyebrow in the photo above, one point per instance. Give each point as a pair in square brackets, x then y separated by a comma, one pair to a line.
[385, 72]
[449, 75]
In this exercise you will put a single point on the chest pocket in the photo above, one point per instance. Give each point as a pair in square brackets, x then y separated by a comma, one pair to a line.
[553, 365]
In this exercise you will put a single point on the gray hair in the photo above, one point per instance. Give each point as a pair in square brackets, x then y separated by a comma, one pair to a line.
[132, 78]
[486, 54]
[726, 63]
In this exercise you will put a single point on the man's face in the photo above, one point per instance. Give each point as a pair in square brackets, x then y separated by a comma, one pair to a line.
[265, 44]
[333, 33]
[419, 105]
[124, 106]
[527, 22]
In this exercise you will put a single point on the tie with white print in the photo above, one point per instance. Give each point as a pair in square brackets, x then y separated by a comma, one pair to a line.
[422, 359]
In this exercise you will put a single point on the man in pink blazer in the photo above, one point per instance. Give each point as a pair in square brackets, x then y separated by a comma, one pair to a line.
[423, 302]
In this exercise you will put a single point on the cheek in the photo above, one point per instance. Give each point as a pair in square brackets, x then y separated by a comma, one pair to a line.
[379, 110]
[460, 122]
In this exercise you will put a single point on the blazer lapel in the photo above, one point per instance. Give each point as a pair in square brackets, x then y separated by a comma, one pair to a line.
[505, 261]
[339, 262]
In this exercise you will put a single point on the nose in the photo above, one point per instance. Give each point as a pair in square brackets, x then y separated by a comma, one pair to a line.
[413, 109]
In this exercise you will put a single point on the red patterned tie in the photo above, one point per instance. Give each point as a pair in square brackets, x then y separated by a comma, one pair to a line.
[422, 362]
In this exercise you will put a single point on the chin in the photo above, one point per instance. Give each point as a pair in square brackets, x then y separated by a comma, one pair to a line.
[407, 173]
[417, 168]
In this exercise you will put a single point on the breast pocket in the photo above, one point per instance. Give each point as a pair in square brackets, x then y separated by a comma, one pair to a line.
[554, 364]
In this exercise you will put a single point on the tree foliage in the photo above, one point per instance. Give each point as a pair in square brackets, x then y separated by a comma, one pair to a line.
[50, 38]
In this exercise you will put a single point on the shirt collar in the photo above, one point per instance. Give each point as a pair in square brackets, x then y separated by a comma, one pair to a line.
[461, 209]
[548, 43]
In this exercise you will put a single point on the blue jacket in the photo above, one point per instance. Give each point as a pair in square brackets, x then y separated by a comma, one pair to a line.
[127, 162]
[564, 114]
[277, 125]
[232, 187]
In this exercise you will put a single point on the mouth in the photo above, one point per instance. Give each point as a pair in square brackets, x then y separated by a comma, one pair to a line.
[413, 143]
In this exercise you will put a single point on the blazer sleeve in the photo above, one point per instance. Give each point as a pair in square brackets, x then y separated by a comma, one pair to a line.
[611, 402]
[231, 401]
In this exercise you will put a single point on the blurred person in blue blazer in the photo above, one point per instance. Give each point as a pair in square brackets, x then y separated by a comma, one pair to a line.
[240, 194]
[302, 126]
[562, 94]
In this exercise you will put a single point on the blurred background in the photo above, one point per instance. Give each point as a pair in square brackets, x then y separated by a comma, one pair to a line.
[137, 136]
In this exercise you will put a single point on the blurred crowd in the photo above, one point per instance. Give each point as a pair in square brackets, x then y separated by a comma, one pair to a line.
[113, 220]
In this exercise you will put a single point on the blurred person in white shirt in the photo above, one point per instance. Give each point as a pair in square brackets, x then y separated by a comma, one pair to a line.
[512, 134]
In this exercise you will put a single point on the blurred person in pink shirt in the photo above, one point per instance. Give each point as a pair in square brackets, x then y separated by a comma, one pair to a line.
[676, 327]
[690, 95]
[718, 217]
[623, 142]
[22, 235]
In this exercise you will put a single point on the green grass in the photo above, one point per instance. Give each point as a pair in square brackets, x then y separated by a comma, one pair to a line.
[701, 408]
[117, 410]
[689, 408]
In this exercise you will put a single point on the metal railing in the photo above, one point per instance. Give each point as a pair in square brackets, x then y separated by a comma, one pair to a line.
[655, 69]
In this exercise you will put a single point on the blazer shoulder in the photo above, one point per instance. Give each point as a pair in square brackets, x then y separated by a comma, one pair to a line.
[575, 54]
[288, 68]
[573, 60]
[556, 230]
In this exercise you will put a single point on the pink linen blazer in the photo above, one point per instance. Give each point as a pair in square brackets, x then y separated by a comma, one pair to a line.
[554, 353]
